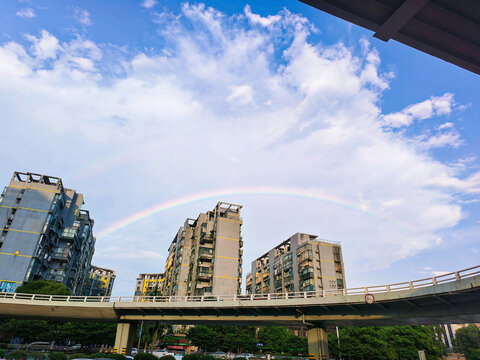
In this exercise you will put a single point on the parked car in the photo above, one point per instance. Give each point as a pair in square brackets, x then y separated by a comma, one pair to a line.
[160, 353]
[245, 355]
[134, 351]
[219, 355]
[38, 345]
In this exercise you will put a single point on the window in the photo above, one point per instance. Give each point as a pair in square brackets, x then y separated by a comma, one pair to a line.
[14, 211]
[4, 232]
[1, 243]
[18, 200]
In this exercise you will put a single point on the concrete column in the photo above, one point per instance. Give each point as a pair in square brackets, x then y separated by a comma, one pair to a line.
[317, 344]
[124, 337]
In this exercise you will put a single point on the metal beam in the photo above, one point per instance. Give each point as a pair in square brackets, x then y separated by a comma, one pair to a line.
[399, 18]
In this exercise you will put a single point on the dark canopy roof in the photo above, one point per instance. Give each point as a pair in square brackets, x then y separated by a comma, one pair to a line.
[447, 29]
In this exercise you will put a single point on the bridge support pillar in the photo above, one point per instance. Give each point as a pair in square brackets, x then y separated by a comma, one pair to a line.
[317, 344]
[124, 337]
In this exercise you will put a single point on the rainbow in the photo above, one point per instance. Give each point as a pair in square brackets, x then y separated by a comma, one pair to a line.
[246, 191]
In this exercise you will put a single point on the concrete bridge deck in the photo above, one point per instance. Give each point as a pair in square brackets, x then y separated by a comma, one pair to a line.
[449, 298]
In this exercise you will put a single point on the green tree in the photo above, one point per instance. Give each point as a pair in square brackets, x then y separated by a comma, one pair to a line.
[274, 338]
[88, 333]
[474, 355]
[38, 330]
[386, 343]
[238, 339]
[205, 337]
[43, 287]
[467, 341]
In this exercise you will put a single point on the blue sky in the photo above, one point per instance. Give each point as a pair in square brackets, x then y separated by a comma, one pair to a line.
[134, 103]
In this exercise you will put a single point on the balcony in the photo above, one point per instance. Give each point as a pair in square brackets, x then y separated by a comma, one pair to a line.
[306, 275]
[202, 284]
[204, 275]
[205, 263]
[61, 255]
[205, 254]
[206, 239]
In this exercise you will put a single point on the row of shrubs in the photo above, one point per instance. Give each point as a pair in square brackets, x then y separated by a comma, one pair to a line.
[24, 355]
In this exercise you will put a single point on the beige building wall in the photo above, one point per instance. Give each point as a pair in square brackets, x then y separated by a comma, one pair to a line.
[205, 256]
[301, 263]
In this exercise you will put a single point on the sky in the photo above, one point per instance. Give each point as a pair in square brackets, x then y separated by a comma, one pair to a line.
[156, 110]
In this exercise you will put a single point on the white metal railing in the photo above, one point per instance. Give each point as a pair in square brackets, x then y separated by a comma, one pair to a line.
[409, 285]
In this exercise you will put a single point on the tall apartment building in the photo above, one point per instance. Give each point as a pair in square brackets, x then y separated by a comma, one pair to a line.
[149, 284]
[205, 256]
[300, 263]
[45, 234]
[99, 282]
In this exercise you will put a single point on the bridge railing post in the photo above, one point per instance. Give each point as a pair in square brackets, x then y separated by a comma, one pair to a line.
[201, 299]
[457, 276]
[304, 294]
[410, 285]
[434, 280]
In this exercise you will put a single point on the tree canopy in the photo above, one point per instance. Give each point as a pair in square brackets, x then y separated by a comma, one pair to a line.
[386, 343]
[88, 333]
[43, 287]
[467, 341]
[238, 339]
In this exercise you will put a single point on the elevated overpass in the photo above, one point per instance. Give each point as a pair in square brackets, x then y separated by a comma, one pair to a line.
[449, 298]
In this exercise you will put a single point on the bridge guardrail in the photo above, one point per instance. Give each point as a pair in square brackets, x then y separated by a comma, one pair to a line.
[375, 289]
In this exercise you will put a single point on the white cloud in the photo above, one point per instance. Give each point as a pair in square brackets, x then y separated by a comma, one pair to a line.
[241, 95]
[435, 106]
[26, 13]
[149, 3]
[44, 47]
[257, 19]
[171, 124]
[82, 16]
[447, 125]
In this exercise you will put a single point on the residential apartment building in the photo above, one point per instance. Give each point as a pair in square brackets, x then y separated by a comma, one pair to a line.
[45, 233]
[301, 263]
[149, 284]
[205, 256]
[99, 282]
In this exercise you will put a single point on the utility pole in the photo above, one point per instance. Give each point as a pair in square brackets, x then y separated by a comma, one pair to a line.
[139, 337]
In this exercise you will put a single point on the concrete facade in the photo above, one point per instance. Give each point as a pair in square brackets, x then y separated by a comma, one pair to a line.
[205, 256]
[300, 263]
[99, 282]
[45, 234]
[149, 284]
